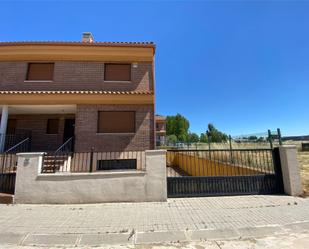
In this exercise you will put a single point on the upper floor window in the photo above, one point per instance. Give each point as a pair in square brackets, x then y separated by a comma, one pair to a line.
[116, 122]
[40, 71]
[117, 72]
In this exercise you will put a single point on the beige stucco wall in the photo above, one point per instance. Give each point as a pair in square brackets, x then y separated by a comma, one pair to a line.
[290, 170]
[65, 188]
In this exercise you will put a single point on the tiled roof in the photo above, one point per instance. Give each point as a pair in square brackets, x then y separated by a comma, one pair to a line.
[80, 92]
[79, 43]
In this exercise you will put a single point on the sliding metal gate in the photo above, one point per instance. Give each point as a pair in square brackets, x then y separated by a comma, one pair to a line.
[192, 173]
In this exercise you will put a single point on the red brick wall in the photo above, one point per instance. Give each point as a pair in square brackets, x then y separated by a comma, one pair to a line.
[74, 76]
[86, 129]
[37, 124]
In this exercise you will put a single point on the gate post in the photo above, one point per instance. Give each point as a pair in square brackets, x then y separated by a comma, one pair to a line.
[290, 170]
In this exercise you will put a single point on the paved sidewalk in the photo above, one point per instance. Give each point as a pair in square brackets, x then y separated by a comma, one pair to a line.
[178, 220]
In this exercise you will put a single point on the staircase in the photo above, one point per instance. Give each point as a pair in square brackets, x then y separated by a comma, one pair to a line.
[60, 160]
[55, 162]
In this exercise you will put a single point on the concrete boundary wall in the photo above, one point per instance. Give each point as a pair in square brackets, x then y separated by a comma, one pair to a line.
[290, 170]
[112, 186]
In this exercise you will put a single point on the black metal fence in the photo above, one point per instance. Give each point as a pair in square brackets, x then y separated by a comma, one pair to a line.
[8, 165]
[10, 140]
[223, 172]
[235, 162]
[93, 161]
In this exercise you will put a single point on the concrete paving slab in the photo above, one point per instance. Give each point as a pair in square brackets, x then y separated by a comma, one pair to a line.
[297, 227]
[257, 232]
[213, 234]
[106, 239]
[11, 238]
[51, 239]
[160, 237]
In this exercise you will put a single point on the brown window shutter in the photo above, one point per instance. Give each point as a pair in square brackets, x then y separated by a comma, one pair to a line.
[40, 71]
[116, 122]
[52, 126]
[117, 72]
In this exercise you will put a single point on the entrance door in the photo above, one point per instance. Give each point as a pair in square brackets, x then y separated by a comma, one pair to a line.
[69, 126]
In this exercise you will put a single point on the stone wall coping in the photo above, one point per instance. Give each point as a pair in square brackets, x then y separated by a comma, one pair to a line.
[31, 154]
[155, 152]
[87, 175]
[289, 146]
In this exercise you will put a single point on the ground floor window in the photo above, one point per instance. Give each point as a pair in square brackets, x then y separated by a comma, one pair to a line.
[116, 164]
[116, 122]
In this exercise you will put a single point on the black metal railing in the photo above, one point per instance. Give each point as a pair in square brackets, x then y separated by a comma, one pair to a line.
[77, 162]
[22, 146]
[233, 162]
[9, 140]
[8, 166]
[67, 146]
[59, 159]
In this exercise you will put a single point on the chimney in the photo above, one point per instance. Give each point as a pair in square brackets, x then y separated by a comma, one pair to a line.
[87, 37]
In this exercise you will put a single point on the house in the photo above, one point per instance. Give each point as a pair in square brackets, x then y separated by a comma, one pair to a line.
[160, 130]
[93, 95]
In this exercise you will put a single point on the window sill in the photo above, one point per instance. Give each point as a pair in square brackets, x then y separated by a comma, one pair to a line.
[119, 133]
[117, 81]
[38, 81]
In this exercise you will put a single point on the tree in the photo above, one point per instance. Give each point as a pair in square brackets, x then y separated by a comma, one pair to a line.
[177, 125]
[203, 138]
[252, 138]
[193, 138]
[183, 137]
[172, 139]
[215, 135]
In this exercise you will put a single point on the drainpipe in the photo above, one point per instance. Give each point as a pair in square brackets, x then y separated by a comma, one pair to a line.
[3, 126]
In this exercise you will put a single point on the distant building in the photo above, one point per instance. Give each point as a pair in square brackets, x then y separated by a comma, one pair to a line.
[160, 130]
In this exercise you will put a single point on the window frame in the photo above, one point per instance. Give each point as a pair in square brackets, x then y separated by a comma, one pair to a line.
[117, 81]
[115, 133]
[39, 62]
[47, 126]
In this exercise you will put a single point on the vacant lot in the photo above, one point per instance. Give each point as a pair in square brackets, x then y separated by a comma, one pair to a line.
[303, 158]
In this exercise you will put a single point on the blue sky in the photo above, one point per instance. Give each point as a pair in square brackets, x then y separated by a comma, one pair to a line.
[242, 65]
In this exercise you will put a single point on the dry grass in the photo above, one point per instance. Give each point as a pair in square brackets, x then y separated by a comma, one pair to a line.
[303, 158]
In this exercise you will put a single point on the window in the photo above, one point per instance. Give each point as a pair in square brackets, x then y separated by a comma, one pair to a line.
[116, 164]
[116, 122]
[40, 71]
[52, 126]
[117, 72]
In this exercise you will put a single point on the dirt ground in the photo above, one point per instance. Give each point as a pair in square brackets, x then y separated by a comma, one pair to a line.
[303, 158]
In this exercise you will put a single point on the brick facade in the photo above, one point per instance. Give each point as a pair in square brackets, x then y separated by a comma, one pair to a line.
[87, 136]
[87, 76]
[74, 76]
[37, 124]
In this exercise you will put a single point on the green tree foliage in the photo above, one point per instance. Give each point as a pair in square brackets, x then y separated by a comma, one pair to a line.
[215, 135]
[172, 138]
[252, 138]
[177, 125]
[193, 138]
[203, 138]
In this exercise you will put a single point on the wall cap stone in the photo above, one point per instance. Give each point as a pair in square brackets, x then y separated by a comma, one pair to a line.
[155, 152]
[30, 154]
[86, 175]
[288, 146]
